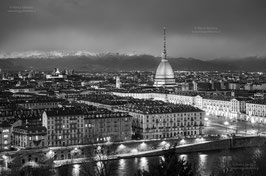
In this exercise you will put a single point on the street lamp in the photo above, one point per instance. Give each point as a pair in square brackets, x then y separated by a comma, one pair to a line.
[236, 127]
[206, 119]
[134, 151]
[258, 128]
[183, 141]
[5, 160]
[253, 123]
[143, 146]
[50, 154]
[226, 123]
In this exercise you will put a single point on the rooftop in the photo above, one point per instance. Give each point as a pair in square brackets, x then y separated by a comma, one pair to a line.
[104, 113]
[39, 100]
[258, 101]
[32, 129]
[107, 99]
[222, 98]
[89, 111]
[5, 125]
[68, 111]
[157, 107]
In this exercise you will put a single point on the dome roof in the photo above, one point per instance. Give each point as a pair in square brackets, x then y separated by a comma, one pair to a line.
[164, 70]
[164, 76]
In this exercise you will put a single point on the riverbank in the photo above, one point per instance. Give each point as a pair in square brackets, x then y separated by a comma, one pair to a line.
[201, 146]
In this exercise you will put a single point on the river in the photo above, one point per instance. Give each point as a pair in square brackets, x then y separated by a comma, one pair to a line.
[204, 163]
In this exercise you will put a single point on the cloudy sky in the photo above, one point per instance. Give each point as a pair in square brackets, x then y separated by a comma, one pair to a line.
[203, 29]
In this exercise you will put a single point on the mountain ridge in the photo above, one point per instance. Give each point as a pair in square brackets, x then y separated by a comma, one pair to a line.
[117, 62]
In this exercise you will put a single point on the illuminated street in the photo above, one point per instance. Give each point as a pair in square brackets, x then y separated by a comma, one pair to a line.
[214, 125]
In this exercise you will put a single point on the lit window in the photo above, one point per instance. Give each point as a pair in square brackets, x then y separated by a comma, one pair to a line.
[30, 138]
[59, 137]
[5, 136]
[5, 142]
[6, 131]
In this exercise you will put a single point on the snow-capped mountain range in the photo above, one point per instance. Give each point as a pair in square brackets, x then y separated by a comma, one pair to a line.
[43, 54]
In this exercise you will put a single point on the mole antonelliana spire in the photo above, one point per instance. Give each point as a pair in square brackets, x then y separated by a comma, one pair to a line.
[164, 76]
[164, 44]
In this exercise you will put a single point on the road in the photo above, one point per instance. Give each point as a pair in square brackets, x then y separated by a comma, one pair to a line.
[221, 126]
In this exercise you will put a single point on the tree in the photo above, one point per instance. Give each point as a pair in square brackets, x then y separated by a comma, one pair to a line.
[64, 170]
[99, 164]
[259, 158]
[36, 171]
[196, 165]
[170, 165]
[18, 166]
[9, 172]
[28, 171]
[249, 162]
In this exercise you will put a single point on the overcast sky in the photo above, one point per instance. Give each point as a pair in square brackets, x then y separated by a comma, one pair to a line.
[203, 29]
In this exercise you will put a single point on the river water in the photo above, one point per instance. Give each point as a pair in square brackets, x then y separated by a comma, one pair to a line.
[203, 163]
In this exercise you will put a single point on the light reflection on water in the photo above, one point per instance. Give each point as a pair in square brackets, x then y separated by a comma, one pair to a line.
[76, 170]
[202, 164]
[136, 160]
[129, 167]
[162, 158]
[122, 164]
[203, 158]
[184, 156]
[143, 164]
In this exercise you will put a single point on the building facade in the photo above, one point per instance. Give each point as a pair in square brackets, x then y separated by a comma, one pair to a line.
[73, 126]
[107, 126]
[228, 107]
[256, 111]
[64, 126]
[5, 136]
[30, 137]
[156, 120]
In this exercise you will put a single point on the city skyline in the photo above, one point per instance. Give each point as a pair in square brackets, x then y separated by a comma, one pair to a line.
[80, 93]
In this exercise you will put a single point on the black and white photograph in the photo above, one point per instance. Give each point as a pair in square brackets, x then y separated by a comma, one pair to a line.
[132, 88]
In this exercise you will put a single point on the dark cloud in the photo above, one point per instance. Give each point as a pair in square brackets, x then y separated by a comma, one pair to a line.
[202, 29]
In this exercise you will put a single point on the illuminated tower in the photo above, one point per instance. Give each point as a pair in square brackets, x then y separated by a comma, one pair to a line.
[164, 76]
